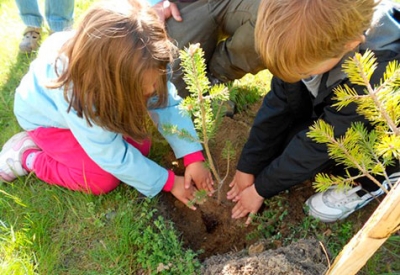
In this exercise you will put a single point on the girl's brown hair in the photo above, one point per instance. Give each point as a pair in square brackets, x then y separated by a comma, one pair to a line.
[115, 43]
[294, 36]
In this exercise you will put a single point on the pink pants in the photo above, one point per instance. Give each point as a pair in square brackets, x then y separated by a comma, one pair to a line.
[63, 162]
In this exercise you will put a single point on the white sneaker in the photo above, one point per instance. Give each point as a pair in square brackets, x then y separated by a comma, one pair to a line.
[335, 204]
[11, 156]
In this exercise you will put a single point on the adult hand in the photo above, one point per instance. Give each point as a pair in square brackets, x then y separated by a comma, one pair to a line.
[249, 202]
[166, 9]
[200, 175]
[183, 194]
[240, 181]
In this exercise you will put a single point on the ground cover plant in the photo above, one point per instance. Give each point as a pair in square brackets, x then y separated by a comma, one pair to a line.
[49, 230]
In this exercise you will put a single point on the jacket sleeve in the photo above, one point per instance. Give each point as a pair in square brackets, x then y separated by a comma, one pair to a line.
[172, 115]
[300, 158]
[272, 125]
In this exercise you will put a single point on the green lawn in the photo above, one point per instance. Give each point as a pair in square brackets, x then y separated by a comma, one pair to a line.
[49, 230]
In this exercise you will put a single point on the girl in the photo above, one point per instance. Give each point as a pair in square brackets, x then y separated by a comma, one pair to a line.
[84, 103]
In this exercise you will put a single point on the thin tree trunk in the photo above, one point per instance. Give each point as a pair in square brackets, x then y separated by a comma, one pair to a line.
[383, 223]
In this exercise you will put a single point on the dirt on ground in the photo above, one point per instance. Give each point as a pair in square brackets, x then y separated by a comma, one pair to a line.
[221, 239]
[299, 258]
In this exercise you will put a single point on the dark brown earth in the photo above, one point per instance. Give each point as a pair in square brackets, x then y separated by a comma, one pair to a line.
[211, 230]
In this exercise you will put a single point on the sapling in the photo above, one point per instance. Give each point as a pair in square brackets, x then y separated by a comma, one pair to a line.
[205, 104]
[367, 151]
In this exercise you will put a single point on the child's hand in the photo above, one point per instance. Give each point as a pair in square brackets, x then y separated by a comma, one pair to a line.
[249, 201]
[239, 183]
[182, 193]
[200, 175]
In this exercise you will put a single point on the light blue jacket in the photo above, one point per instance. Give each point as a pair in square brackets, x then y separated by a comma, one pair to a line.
[37, 106]
[153, 2]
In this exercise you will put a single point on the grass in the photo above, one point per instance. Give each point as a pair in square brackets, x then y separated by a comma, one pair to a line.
[50, 230]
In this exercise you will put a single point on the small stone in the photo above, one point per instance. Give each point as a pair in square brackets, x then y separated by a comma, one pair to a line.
[255, 249]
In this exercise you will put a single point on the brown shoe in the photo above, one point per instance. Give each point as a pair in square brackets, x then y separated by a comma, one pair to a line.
[30, 41]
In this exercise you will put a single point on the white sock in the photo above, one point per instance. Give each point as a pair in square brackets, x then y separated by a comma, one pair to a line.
[30, 160]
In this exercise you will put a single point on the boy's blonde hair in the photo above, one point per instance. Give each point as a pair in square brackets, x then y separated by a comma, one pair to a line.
[114, 44]
[293, 36]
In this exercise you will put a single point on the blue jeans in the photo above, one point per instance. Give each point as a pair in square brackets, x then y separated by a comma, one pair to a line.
[58, 13]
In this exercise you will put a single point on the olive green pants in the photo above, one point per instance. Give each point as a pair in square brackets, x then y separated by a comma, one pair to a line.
[205, 22]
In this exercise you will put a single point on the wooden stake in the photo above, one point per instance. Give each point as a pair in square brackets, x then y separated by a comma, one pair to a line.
[379, 227]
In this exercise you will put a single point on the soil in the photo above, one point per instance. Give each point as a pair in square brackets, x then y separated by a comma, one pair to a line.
[298, 258]
[210, 229]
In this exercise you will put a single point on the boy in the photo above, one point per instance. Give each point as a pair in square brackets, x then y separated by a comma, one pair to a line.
[304, 43]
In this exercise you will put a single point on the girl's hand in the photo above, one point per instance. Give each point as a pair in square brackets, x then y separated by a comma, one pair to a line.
[249, 201]
[200, 175]
[239, 183]
[182, 193]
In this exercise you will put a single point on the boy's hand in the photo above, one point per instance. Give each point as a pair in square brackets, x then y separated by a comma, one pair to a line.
[200, 175]
[239, 183]
[182, 193]
[249, 201]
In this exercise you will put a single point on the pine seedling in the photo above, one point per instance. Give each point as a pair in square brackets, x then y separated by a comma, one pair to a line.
[369, 151]
[205, 105]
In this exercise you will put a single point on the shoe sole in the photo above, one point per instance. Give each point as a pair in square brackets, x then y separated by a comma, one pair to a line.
[317, 215]
[393, 178]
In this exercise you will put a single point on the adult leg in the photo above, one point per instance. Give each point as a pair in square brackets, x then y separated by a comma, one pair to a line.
[236, 56]
[30, 13]
[33, 19]
[59, 14]
[198, 26]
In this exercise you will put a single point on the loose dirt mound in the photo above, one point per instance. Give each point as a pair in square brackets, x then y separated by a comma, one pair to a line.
[303, 257]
